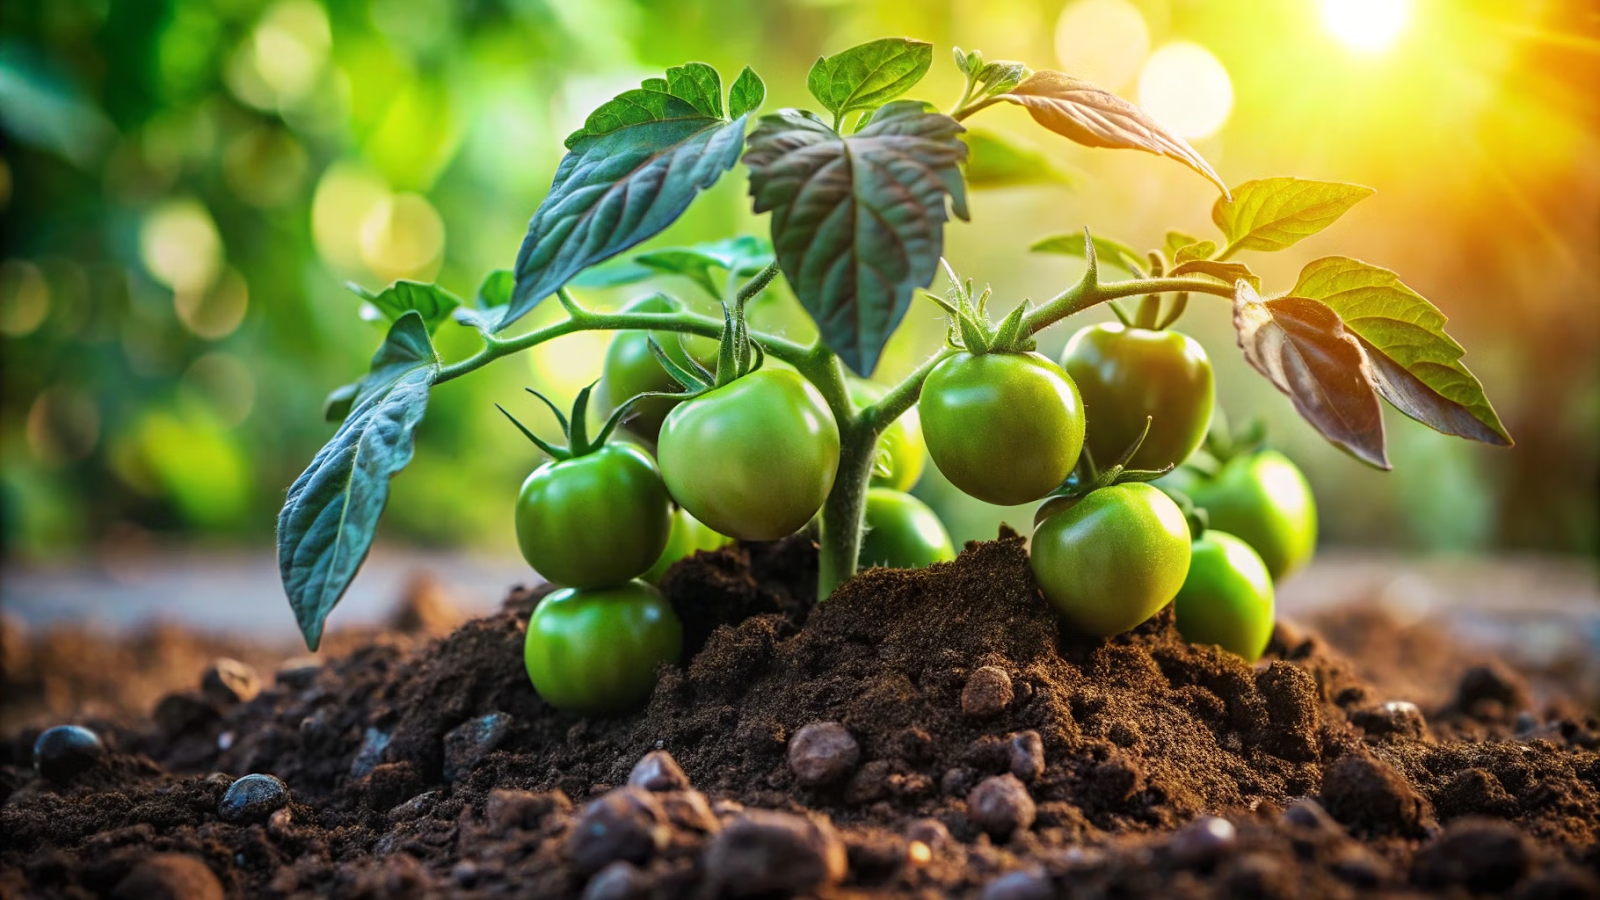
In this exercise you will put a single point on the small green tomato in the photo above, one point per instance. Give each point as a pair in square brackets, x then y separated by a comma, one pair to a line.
[901, 454]
[902, 532]
[689, 536]
[1227, 597]
[595, 652]
[594, 520]
[1263, 500]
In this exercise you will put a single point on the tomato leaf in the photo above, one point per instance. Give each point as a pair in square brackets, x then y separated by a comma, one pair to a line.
[1195, 251]
[430, 301]
[1228, 272]
[494, 292]
[747, 93]
[997, 161]
[1417, 366]
[326, 526]
[744, 255]
[868, 75]
[1106, 251]
[1302, 347]
[631, 171]
[858, 221]
[1274, 213]
[1090, 115]
[1177, 240]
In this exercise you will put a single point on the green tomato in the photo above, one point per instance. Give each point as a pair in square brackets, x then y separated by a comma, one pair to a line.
[631, 369]
[902, 532]
[901, 455]
[1005, 428]
[595, 652]
[1112, 559]
[689, 536]
[1227, 597]
[1264, 500]
[594, 520]
[1126, 374]
[753, 459]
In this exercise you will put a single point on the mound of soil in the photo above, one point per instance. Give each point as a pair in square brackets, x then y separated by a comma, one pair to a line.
[922, 733]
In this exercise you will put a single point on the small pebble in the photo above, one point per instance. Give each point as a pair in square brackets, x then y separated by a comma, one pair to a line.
[252, 799]
[1483, 855]
[373, 743]
[228, 681]
[65, 752]
[617, 881]
[869, 784]
[767, 852]
[1309, 814]
[1027, 755]
[823, 753]
[1526, 723]
[416, 807]
[658, 771]
[988, 692]
[1397, 719]
[627, 824]
[959, 781]
[468, 743]
[1023, 884]
[1203, 842]
[169, 876]
[1001, 805]
[689, 810]
[931, 832]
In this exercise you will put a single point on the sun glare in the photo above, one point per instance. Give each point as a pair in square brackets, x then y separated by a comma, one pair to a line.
[1187, 89]
[1366, 25]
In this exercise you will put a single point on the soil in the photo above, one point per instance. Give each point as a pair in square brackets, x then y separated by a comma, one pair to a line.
[926, 733]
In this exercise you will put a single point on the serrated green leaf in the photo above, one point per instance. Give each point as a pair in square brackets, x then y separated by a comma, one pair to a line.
[1417, 367]
[1274, 213]
[868, 75]
[1303, 348]
[1109, 252]
[1177, 240]
[996, 161]
[430, 301]
[1226, 272]
[326, 526]
[1082, 112]
[858, 221]
[630, 172]
[747, 93]
[1196, 251]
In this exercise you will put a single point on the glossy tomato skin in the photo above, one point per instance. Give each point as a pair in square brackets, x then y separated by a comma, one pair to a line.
[631, 369]
[1264, 500]
[1005, 428]
[689, 536]
[753, 459]
[594, 520]
[901, 454]
[902, 532]
[1227, 597]
[1113, 559]
[595, 652]
[1126, 374]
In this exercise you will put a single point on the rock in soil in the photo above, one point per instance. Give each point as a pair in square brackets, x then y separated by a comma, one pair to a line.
[994, 755]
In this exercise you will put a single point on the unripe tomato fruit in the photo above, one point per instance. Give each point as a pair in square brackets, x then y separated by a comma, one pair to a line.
[1264, 500]
[631, 369]
[902, 532]
[1005, 428]
[753, 459]
[1112, 559]
[594, 520]
[1126, 374]
[689, 536]
[1227, 597]
[595, 652]
[900, 449]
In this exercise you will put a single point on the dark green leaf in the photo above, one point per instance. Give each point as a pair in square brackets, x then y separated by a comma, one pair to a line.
[1274, 213]
[858, 222]
[747, 93]
[432, 302]
[1107, 251]
[995, 161]
[1092, 116]
[1417, 366]
[1195, 251]
[339, 401]
[633, 168]
[1226, 272]
[869, 75]
[704, 263]
[1302, 347]
[326, 526]
[495, 291]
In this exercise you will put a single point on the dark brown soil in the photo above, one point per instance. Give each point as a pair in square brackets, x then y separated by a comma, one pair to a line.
[974, 750]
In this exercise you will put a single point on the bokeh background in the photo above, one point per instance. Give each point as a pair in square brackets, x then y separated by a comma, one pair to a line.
[186, 186]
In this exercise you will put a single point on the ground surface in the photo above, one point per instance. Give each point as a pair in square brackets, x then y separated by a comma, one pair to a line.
[960, 745]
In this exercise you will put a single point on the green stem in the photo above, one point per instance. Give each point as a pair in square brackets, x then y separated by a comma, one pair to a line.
[844, 512]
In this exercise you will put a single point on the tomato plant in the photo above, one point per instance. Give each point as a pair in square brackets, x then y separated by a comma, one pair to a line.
[1262, 498]
[596, 651]
[901, 453]
[1126, 374]
[902, 532]
[1226, 599]
[631, 369]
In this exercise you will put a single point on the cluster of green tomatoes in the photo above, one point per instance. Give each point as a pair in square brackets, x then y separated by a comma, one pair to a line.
[756, 457]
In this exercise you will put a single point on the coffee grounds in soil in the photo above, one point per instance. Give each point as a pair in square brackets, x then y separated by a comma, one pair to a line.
[974, 748]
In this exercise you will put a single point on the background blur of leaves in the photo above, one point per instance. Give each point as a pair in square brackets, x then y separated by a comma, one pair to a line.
[185, 186]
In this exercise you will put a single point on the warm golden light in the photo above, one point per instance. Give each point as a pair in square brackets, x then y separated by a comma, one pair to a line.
[1187, 89]
[1367, 25]
[1103, 41]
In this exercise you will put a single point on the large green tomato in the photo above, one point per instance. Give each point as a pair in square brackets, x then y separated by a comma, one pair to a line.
[1005, 428]
[595, 652]
[902, 532]
[1126, 374]
[753, 459]
[689, 536]
[901, 455]
[631, 369]
[1227, 598]
[1263, 500]
[594, 520]
[1112, 559]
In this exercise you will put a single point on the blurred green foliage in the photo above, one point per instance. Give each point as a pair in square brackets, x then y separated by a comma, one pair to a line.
[185, 186]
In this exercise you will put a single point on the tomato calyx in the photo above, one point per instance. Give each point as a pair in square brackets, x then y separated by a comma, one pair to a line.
[574, 429]
[737, 355]
[970, 328]
[1087, 477]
